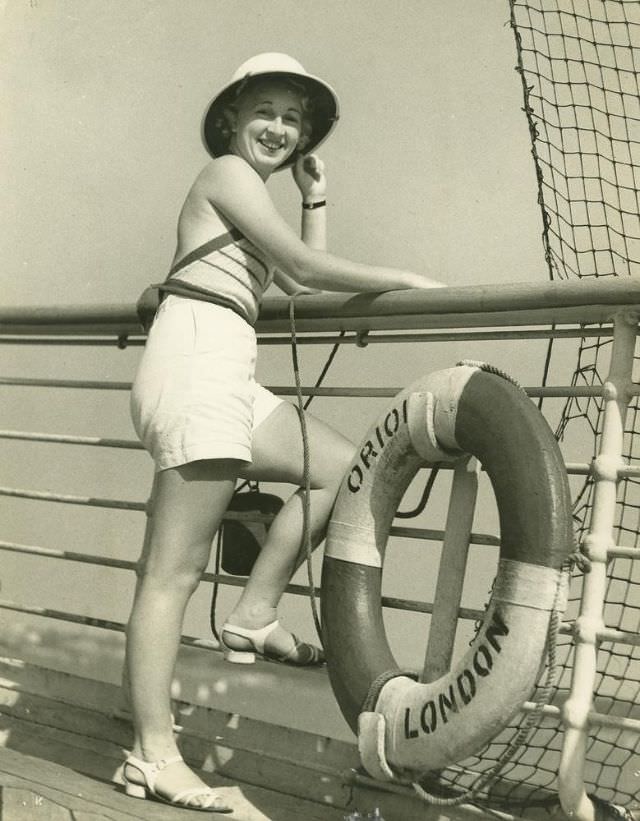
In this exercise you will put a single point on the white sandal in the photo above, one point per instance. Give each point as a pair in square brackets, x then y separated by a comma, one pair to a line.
[301, 655]
[149, 771]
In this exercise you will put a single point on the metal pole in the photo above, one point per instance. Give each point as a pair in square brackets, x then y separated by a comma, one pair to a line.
[453, 563]
[606, 472]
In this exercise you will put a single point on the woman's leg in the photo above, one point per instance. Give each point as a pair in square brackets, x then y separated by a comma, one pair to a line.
[278, 456]
[188, 506]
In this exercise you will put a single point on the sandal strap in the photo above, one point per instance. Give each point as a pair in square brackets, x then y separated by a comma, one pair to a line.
[184, 796]
[313, 653]
[257, 637]
[160, 764]
[164, 762]
[150, 769]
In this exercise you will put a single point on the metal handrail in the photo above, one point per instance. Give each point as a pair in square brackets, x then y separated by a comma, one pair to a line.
[509, 304]
[572, 468]
[557, 391]
[391, 602]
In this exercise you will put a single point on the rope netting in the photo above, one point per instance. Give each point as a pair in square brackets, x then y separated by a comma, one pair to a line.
[578, 61]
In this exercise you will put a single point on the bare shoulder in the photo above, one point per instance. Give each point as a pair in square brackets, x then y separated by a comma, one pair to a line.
[226, 170]
[229, 191]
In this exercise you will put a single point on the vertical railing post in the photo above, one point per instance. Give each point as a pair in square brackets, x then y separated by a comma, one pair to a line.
[599, 540]
[453, 563]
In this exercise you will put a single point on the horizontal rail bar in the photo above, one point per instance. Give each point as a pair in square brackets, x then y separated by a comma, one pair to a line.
[559, 391]
[595, 718]
[619, 636]
[327, 338]
[585, 468]
[66, 439]
[231, 515]
[90, 621]
[615, 722]
[116, 504]
[92, 384]
[69, 499]
[506, 304]
[391, 602]
[572, 468]
[121, 342]
[437, 535]
[624, 552]
[375, 337]
[67, 555]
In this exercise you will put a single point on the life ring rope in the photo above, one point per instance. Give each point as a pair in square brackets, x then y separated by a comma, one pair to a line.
[487, 368]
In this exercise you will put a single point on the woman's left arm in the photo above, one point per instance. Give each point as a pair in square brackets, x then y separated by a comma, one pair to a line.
[309, 176]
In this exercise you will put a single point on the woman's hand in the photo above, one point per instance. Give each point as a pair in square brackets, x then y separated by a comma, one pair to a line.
[308, 173]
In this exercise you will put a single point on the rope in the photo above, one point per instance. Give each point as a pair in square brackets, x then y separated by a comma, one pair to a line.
[534, 134]
[216, 587]
[369, 703]
[325, 368]
[546, 218]
[306, 469]
[484, 366]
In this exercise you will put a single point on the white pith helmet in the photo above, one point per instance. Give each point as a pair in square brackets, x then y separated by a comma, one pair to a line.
[323, 117]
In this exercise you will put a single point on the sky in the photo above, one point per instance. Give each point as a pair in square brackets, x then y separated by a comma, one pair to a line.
[429, 169]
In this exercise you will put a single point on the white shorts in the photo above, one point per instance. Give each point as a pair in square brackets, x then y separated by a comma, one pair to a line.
[194, 395]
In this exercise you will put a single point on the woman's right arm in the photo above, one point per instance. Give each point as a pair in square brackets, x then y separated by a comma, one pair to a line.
[239, 194]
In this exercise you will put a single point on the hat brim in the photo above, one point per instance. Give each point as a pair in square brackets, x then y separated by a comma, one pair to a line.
[323, 118]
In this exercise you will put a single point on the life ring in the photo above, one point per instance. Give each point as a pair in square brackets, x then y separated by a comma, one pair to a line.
[410, 726]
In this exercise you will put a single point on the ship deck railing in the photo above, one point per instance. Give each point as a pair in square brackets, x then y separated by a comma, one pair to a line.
[520, 311]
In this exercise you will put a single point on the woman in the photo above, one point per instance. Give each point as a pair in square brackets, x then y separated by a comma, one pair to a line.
[198, 410]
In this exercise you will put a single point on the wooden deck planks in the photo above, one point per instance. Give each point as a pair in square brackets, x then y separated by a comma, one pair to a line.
[32, 787]
[60, 740]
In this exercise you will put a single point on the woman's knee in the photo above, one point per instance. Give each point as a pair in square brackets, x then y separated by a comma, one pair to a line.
[181, 573]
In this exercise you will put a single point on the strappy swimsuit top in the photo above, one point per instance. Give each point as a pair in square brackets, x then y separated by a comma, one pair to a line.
[228, 270]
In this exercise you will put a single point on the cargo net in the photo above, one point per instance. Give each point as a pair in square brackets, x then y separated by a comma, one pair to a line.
[578, 61]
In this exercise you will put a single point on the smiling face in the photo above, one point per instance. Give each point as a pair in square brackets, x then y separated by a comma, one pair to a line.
[268, 123]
